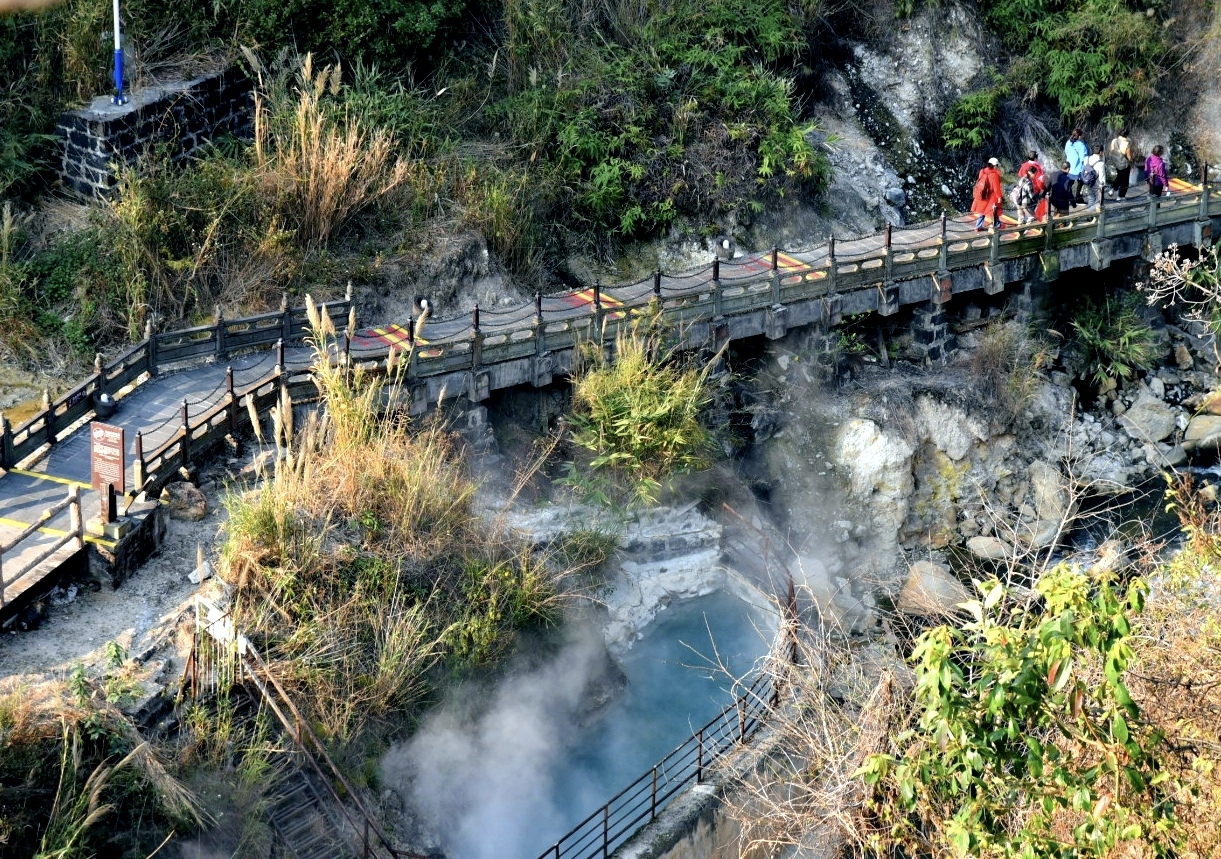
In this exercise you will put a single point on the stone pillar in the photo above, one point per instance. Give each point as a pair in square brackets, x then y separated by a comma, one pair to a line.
[931, 336]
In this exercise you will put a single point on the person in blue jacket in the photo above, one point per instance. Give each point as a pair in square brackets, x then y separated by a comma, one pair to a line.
[1075, 153]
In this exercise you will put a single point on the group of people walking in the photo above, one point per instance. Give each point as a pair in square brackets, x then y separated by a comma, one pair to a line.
[1082, 180]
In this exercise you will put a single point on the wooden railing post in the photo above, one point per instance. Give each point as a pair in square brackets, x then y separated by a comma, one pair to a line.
[943, 261]
[50, 415]
[1204, 191]
[657, 284]
[232, 409]
[1101, 230]
[138, 467]
[605, 831]
[476, 339]
[716, 288]
[186, 435]
[831, 262]
[150, 346]
[1049, 227]
[6, 442]
[76, 520]
[1151, 218]
[221, 351]
[598, 309]
[540, 330]
[653, 797]
[775, 275]
[286, 319]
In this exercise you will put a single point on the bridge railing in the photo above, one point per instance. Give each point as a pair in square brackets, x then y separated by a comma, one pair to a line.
[638, 804]
[11, 575]
[728, 289]
[151, 355]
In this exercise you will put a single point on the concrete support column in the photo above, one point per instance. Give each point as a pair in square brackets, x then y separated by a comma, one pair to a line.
[931, 335]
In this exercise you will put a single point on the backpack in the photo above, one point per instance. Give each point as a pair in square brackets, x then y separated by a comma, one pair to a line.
[1117, 159]
[1023, 192]
[981, 187]
[1089, 175]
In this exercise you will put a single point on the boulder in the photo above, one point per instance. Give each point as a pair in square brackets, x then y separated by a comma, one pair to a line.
[989, 548]
[1204, 431]
[1182, 357]
[1148, 418]
[930, 590]
[1210, 403]
[184, 501]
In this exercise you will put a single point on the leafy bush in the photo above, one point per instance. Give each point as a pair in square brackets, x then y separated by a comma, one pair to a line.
[671, 113]
[1006, 366]
[638, 416]
[970, 122]
[1111, 341]
[1090, 57]
[1025, 741]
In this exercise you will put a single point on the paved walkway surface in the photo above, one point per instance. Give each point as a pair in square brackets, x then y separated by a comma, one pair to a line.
[155, 407]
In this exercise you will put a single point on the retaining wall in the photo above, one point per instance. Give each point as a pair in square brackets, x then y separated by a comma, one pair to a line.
[98, 140]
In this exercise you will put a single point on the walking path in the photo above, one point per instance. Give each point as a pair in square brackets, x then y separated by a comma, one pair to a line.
[158, 409]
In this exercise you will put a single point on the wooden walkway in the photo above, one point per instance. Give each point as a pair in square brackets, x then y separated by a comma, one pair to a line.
[181, 392]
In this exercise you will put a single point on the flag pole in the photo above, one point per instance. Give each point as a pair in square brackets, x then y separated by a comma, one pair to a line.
[119, 98]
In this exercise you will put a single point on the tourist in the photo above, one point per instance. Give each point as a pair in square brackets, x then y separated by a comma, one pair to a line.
[988, 194]
[1061, 195]
[1155, 172]
[1119, 157]
[1095, 178]
[1075, 153]
[1038, 180]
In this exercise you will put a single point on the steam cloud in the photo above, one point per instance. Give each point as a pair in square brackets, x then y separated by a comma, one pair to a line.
[481, 772]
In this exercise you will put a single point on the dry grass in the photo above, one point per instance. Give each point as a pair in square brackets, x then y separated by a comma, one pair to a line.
[322, 166]
[360, 563]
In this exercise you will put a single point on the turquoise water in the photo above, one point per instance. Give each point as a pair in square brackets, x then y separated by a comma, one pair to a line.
[502, 772]
[674, 687]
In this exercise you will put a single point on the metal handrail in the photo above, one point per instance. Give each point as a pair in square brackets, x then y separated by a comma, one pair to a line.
[623, 815]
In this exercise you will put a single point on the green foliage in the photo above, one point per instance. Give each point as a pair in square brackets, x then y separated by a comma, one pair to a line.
[392, 34]
[1091, 57]
[668, 114]
[638, 416]
[971, 121]
[1112, 341]
[1026, 741]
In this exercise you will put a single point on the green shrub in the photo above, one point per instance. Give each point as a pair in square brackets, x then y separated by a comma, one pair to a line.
[638, 417]
[1024, 739]
[970, 123]
[1090, 57]
[1111, 341]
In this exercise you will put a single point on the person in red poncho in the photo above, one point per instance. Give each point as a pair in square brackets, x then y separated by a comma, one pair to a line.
[988, 194]
[1038, 179]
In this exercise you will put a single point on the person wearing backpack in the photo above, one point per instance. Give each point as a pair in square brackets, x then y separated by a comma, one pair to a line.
[1061, 194]
[1075, 153]
[1155, 172]
[1023, 199]
[1095, 178]
[1119, 157]
[988, 194]
[1038, 180]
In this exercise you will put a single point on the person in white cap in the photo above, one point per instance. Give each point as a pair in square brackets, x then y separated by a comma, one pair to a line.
[988, 194]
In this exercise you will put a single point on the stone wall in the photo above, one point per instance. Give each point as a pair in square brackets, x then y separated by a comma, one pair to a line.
[99, 139]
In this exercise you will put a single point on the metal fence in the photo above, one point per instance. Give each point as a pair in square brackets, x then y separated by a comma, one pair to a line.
[638, 804]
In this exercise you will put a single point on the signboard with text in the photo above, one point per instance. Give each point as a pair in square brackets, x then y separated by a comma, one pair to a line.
[106, 457]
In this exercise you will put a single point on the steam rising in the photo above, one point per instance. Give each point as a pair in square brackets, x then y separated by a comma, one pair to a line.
[482, 771]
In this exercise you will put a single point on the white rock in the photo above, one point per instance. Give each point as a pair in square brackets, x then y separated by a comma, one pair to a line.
[989, 548]
[1204, 431]
[1148, 418]
[930, 590]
